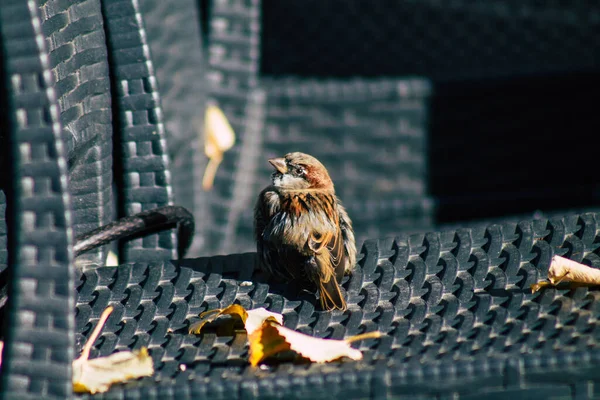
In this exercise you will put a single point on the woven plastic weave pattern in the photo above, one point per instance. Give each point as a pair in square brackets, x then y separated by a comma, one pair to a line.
[233, 60]
[176, 48]
[143, 162]
[38, 349]
[459, 318]
[462, 39]
[74, 33]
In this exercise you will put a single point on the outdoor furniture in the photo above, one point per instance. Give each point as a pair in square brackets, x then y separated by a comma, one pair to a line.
[84, 140]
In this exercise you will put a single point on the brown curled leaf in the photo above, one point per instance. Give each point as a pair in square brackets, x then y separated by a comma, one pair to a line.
[272, 339]
[565, 270]
[251, 319]
[98, 374]
[540, 285]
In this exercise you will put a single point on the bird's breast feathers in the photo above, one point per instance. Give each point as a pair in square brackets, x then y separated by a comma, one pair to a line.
[294, 217]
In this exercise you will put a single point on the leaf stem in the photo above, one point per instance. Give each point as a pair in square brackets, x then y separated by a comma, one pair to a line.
[85, 354]
[364, 336]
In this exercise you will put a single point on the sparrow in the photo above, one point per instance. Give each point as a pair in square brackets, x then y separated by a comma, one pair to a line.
[302, 231]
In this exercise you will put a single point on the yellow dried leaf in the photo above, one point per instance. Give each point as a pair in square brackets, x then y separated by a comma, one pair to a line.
[266, 342]
[98, 374]
[539, 286]
[112, 260]
[272, 339]
[218, 138]
[252, 319]
[565, 270]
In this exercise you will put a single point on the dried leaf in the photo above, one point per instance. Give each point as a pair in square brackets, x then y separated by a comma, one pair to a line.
[218, 138]
[272, 339]
[268, 337]
[540, 285]
[98, 374]
[112, 260]
[252, 319]
[565, 270]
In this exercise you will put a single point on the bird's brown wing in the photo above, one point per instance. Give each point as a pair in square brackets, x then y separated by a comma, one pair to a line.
[330, 259]
[321, 269]
[347, 239]
[331, 244]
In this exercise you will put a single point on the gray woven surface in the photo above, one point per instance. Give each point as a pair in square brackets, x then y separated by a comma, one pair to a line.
[173, 34]
[74, 34]
[458, 318]
[39, 340]
[456, 40]
[144, 180]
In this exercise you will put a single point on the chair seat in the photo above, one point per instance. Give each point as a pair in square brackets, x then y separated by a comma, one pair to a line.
[455, 307]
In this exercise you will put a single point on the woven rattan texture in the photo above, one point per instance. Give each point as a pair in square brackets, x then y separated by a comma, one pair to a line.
[456, 309]
[461, 39]
[176, 49]
[144, 178]
[173, 32]
[233, 58]
[38, 348]
[74, 33]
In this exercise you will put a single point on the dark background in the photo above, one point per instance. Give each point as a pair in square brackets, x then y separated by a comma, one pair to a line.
[515, 89]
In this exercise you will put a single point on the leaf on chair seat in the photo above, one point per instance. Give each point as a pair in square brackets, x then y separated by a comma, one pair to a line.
[565, 270]
[268, 337]
[272, 339]
[98, 374]
[251, 319]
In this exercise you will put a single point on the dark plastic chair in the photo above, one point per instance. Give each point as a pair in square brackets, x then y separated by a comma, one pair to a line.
[455, 305]
[38, 326]
[57, 149]
[175, 42]
[459, 317]
[143, 177]
[76, 46]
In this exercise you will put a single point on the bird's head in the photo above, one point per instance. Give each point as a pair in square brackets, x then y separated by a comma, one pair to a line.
[300, 171]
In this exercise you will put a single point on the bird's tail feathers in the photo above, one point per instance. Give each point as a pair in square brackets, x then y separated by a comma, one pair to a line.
[331, 295]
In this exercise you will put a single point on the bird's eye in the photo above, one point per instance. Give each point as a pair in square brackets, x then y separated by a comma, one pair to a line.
[300, 171]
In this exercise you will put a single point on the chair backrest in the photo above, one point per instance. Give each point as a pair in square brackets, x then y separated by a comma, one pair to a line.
[64, 80]
[39, 325]
[142, 170]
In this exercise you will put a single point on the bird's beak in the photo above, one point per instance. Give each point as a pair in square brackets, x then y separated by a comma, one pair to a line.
[279, 164]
